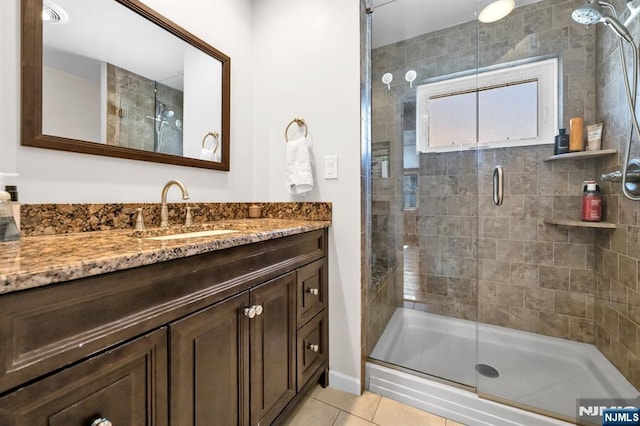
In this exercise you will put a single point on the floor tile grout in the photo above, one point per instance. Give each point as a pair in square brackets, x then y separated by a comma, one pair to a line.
[348, 412]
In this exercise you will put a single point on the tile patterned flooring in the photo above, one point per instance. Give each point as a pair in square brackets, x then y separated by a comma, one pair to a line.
[332, 407]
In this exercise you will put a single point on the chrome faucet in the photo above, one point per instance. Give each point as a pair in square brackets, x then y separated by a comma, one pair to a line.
[164, 211]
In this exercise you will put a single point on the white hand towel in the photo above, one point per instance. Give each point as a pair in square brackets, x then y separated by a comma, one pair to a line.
[299, 172]
[210, 155]
[206, 154]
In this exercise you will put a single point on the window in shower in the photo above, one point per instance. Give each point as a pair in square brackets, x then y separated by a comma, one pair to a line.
[410, 191]
[511, 106]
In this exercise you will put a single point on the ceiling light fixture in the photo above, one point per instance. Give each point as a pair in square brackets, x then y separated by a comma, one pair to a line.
[492, 11]
[53, 14]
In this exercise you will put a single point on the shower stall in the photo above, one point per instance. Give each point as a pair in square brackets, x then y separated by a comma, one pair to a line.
[481, 281]
[143, 113]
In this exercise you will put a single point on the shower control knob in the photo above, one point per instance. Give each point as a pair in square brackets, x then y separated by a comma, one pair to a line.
[313, 291]
[314, 348]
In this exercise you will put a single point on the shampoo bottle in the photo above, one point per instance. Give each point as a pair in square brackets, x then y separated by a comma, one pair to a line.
[591, 203]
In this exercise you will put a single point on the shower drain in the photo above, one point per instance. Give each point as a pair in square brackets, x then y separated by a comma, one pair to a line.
[487, 370]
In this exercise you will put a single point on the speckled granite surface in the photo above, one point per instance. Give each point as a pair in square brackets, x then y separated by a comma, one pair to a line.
[40, 260]
[50, 219]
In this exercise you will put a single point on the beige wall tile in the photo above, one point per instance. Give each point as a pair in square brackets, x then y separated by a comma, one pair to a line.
[555, 278]
[539, 299]
[570, 255]
[582, 281]
[581, 330]
[573, 304]
[552, 324]
[524, 274]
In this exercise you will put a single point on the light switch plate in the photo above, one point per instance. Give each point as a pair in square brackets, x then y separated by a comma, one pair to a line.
[331, 167]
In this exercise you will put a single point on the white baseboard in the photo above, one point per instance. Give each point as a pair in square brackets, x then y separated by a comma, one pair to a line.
[338, 380]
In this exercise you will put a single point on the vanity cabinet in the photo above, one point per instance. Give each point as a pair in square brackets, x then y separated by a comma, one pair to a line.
[216, 338]
[236, 360]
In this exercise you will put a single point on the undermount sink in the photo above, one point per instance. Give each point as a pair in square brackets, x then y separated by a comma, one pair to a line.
[196, 234]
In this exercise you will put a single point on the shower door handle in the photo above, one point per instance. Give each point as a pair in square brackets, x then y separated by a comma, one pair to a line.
[498, 185]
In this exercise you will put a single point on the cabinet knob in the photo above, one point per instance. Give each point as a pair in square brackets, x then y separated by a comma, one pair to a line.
[101, 421]
[259, 309]
[314, 348]
[250, 312]
[313, 291]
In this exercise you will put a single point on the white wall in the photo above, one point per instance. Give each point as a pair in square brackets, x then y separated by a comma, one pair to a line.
[72, 104]
[296, 58]
[201, 113]
[307, 65]
[63, 177]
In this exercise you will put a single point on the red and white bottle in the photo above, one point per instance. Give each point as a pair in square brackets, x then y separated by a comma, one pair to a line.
[591, 203]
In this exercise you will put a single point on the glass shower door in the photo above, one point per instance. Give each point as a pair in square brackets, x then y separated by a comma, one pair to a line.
[557, 296]
[422, 300]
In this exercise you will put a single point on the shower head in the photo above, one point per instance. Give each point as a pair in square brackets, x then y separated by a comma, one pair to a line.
[167, 113]
[591, 13]
[587, 14]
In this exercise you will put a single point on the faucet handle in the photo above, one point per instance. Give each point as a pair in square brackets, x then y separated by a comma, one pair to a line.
[139, 224]
[189, 219]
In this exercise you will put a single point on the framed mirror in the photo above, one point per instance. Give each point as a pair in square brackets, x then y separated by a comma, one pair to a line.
[142, 89]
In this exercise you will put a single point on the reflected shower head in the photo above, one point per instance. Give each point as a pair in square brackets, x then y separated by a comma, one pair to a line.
[163, 112]
[591, 13]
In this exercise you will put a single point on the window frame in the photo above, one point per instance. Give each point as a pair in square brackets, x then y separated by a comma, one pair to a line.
[546, 70]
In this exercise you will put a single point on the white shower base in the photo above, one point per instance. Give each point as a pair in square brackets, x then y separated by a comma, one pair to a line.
[539, 371]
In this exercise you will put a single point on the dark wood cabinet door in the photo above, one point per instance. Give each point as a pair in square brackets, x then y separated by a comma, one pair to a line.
[209, 369]
[272, 342]
[126, 385]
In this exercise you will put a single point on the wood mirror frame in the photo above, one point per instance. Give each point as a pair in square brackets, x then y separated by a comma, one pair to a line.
[31, 92]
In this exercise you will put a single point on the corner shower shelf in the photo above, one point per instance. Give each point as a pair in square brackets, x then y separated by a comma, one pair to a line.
[579, 223]
[581, 154]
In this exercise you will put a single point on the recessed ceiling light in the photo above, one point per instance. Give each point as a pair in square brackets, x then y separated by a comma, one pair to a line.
[495, 10]
[53, 14]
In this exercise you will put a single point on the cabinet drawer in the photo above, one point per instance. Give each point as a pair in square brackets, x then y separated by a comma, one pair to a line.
[127, 386]
[312, 347]
[311, 290]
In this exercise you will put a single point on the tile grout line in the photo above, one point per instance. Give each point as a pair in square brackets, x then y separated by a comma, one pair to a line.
[350, 413]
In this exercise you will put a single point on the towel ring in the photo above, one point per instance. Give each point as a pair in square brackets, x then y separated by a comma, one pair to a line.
[301, 123]
[216, 136]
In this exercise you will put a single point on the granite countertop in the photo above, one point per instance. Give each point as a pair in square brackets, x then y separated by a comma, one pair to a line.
[41, 260]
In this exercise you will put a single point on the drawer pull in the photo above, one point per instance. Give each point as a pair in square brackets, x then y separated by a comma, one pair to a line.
[101, 422]
[314, 348]
[259, 310]
[250, 312]
[313, 291]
